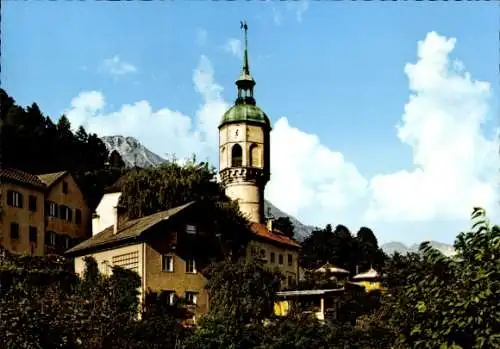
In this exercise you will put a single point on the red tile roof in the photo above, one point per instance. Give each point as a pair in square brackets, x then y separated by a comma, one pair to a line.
[262, 231]
[21, 177]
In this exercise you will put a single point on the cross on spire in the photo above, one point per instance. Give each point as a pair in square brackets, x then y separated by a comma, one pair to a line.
[245, 82]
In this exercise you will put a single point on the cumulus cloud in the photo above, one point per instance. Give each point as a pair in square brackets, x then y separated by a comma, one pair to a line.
[165, 131]
[234, 47]
[455, 164]
[116, 66]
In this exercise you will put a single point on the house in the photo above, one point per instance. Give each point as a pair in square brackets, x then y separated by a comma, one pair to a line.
[41, 214]
[66, 211]
[167, 249]
[22, 218]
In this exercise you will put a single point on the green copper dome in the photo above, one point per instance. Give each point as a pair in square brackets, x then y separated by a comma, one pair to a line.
[245, 113]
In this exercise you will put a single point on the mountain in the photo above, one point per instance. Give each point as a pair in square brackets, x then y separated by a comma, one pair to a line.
[394, 246]
[134, 153]
[301, 230]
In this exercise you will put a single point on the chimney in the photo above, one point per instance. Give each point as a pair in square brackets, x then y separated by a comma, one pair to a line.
[115, 219]
[270, 224]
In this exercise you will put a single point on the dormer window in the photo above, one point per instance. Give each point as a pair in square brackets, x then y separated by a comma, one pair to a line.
[190, 229]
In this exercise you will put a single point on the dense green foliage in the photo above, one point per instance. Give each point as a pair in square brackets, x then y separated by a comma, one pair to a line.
[31, 142]
[341, 248]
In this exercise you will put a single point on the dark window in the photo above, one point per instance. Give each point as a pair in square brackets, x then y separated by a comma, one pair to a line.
[192, 297]
[14, 199]
[51, 209]
[33, 234]
[78, 216]
[190, 266]
[273, 257]
[169, 297]
[291, 281]
[14, 231]
[263, 254]
[290, 260]
[65, 187]
[50, 238]
[32, 203]
[280, 259]
[236, 156]
[66, 213]
[167, 263]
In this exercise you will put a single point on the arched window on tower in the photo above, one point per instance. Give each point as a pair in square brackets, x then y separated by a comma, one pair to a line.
[236, 156]
[254, 158]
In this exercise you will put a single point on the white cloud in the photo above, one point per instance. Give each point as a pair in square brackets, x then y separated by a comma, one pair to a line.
[234, 47]
[116, 66]
[201, 37]
[298, 8]
[455, 164]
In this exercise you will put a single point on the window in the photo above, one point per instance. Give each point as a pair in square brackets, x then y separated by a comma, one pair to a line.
[32, 203]
[127, 261]
[190, 266]
[65, 213]
[167, 263]
[192, 297]
[291, 280]
[51, 209]
[236, 156]
[254, 156]
[273, 257]
[290, 260]
[33, 234]
[263, 254]
[65, 187]
[14, 199]
[190, 229]
[169, 297]
[50, 238]
[78, 216]
[14, 231]
[281, 259]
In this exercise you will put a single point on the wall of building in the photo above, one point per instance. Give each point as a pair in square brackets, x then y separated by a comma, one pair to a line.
[264, 250]
[73, 199]
[25, 218]
[129, 257]
[178, 280]
[105, 212]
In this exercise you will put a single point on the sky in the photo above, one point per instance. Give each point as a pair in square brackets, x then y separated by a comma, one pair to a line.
[384, 114]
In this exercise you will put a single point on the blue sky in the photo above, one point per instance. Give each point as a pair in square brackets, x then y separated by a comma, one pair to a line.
[334, 70]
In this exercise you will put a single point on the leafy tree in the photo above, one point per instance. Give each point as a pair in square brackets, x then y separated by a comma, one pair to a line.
[285, 225]
[447, 302]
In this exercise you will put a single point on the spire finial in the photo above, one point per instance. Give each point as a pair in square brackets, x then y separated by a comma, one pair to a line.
[246, 68]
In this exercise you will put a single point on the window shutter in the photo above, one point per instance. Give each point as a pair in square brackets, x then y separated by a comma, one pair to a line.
[56, 210]
[61, 211]
[70, 214]
[10, 197]
[21, 200]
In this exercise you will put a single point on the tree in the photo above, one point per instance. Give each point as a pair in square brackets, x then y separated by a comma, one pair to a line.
[285, 225]
[447, 302]
[115, 160]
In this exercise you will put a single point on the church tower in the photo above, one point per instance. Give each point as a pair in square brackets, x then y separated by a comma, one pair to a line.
[244, 146]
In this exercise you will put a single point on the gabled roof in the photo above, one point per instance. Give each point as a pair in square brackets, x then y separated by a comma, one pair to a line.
[370, 274]
[51, 178]
[262, 231]
[22, 178]
[331, 269]
[127, 231]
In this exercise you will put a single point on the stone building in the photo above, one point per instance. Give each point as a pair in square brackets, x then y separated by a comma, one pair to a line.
[41, 214]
